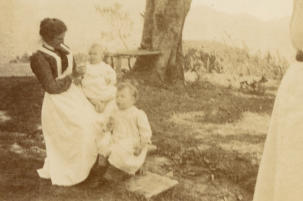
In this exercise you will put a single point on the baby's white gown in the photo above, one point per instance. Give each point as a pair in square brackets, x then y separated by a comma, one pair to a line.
[99, 82]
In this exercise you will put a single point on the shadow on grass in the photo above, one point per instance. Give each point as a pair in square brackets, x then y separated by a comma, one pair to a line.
[21, 99]
[19, 180]
[219, 105]
[205, 157]
[243, 138]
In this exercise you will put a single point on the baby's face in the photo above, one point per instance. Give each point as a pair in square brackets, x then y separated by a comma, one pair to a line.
[124, 99]
[95, 55]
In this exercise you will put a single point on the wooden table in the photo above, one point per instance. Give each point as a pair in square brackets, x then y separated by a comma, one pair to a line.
[129, 54]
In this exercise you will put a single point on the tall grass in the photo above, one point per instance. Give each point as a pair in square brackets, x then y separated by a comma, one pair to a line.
[211, 56]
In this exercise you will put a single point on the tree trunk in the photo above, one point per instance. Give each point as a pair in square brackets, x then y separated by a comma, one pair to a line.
[163, 26]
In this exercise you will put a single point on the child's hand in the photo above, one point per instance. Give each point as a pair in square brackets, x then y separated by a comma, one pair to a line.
[138, 150]
[110, 124]
[100, 106]
[81, 69]
[77, 80]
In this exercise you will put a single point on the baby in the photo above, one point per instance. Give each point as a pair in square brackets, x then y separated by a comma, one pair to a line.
[98, 85]
[99, 81]
[131, 132]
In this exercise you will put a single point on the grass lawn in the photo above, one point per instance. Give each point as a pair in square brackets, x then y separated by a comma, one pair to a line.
[211, 138]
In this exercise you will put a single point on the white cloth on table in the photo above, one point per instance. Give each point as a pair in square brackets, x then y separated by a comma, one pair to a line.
[131, 126]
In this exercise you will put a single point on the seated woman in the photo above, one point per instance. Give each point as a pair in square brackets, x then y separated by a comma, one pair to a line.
[68, 119]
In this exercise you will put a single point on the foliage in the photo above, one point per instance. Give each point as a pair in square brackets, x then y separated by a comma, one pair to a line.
[119, 21]
[21, 59]
[210, 56]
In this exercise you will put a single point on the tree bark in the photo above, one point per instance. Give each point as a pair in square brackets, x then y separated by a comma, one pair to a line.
[163, 26]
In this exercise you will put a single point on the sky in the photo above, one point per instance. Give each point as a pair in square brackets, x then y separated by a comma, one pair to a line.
[262, 9]
[19, 19]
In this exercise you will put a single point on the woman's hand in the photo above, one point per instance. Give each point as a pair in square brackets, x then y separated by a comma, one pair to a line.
[77, 80]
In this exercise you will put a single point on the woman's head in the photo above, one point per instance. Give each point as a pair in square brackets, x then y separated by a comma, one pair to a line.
[96, 53]
[127, 95]
[52, 31]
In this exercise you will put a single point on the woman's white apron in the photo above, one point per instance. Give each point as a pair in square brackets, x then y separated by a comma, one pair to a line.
[69, 129]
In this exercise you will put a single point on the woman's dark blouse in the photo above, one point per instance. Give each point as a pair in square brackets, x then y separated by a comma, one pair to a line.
[45, 68]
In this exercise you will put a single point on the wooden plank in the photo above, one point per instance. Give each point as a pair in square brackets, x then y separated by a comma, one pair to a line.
[134, 53]
[149, 184]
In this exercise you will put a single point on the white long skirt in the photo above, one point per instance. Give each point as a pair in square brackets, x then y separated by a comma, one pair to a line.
[69, 129]
[296, 25]
[280, 176]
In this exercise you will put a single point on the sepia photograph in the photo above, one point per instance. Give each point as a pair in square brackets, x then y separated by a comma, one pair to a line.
[151, 100]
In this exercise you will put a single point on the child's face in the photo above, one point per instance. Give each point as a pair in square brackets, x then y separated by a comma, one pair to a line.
[124, 99]
[95, 55]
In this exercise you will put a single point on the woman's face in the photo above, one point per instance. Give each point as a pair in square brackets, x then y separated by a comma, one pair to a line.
[57, 40]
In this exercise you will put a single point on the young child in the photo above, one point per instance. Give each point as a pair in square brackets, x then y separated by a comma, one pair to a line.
[99, 81]
[98, 85]
[131, 131]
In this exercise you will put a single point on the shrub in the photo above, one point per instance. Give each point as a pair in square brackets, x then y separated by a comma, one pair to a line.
[215, 57]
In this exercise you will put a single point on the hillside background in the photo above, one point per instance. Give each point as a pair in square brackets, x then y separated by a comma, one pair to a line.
[19, 23]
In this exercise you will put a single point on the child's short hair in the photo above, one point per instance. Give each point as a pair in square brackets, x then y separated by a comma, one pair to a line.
[131, 85]
[99, 47]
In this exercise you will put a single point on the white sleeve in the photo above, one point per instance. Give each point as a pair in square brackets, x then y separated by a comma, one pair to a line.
[144, 127]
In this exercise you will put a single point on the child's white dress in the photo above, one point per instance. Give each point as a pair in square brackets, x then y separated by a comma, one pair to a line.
[98, 84]
[130, 127]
